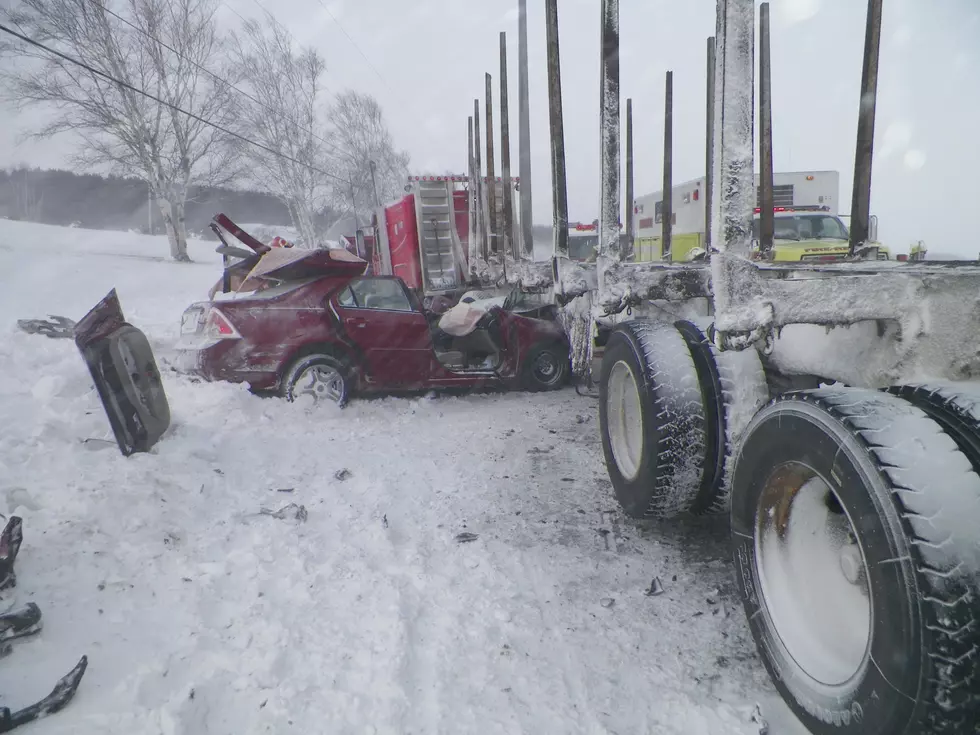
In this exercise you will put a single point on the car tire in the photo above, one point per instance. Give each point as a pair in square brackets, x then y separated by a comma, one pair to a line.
[855, 520]
[546, 367]
[652, 420]
[324, 377]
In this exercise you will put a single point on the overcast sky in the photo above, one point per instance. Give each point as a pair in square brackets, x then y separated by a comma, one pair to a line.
[428, 59]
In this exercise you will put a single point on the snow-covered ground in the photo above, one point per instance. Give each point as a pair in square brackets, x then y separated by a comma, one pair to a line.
[201, 615]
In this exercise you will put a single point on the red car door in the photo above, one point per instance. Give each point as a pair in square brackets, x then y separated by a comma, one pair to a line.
[379, 317]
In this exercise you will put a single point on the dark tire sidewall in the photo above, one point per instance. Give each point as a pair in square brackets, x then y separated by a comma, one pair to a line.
[713, 404]
[530, 380]
[870, 702]
[304, 363]
[633, 495]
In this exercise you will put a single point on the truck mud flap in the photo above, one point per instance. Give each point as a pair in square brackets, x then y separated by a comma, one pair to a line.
[121, 363]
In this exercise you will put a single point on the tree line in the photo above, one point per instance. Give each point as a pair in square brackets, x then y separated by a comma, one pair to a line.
[157, 92]
[94, 201]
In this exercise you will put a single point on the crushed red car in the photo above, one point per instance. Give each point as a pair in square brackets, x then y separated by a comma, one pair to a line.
[299, 321]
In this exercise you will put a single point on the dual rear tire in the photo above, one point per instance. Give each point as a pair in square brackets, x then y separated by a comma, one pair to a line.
[855, 521]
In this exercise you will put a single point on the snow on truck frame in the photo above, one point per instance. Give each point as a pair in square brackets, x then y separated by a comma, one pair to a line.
[832, 409]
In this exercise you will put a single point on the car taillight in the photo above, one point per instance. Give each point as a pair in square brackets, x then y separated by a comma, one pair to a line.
[219, 327]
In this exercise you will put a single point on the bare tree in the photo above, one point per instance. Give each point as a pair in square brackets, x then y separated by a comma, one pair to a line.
[162, 47]
[359, 135]
[285, 83]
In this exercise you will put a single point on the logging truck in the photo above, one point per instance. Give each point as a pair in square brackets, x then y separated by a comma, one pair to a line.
[829, 407]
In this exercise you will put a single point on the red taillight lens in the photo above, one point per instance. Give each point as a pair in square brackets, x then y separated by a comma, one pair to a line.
[219, 327]
[902, 257]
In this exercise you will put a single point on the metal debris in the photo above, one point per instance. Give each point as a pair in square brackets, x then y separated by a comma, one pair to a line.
[342, 474]
[291, 511]
[656, 588]
[466, 537]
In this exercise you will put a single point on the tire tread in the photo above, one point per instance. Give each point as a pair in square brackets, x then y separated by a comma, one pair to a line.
[948, 583]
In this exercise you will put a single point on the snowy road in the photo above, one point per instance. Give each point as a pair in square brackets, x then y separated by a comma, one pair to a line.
[201, 615]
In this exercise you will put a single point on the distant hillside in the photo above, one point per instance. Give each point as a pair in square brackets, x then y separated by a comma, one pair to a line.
[91, 201]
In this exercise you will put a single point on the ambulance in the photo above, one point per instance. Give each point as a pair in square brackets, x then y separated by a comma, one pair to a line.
[808, 226]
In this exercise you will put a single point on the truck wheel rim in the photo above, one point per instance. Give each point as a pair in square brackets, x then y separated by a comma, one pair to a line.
[322, 383]
[625, 420]
[813, 575]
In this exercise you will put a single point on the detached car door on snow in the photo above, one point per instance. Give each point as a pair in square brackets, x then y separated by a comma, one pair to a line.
[381, 320]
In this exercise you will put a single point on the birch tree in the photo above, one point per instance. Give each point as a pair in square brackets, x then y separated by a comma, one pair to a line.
[284, 116]
[359, 135]
[162, 47]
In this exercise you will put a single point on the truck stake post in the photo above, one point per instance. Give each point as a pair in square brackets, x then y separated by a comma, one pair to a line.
[667, 207]
[524, 124]
[629, 180]
[861, 197]
[492, 228]
[471, 195]
[709, 147]
[767, 221]
[609, 134]
[481, 224]
[559, 189]
[507, 245]
[733, 197]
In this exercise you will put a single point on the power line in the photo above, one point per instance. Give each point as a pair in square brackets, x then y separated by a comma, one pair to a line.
[127, 85]
[353, 43]
[276, 21]
[204, 69]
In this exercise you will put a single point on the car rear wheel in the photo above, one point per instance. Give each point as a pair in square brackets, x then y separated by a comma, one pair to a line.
[322, 377]
[546, 367]
[854, 523]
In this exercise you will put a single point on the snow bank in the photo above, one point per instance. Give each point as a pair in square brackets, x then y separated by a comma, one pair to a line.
[199, 614]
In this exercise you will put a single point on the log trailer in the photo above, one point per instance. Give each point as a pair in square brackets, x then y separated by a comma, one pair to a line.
[831, 410]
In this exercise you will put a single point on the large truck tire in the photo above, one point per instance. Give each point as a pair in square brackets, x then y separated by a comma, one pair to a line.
[955, 407]
[855, 522]
[652, 420]
[733, 389]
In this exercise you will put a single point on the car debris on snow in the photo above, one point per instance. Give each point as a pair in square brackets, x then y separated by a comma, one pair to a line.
[466, 537]
[291, 511]
[607, 602]
[343, 474]
[656, 588]
[57, 327]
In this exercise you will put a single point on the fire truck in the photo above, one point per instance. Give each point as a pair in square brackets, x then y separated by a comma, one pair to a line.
[428, 237]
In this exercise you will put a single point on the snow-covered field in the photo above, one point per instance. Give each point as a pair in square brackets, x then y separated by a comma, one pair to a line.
[201, 615]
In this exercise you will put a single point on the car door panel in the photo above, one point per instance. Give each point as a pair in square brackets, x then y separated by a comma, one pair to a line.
[396, 342]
